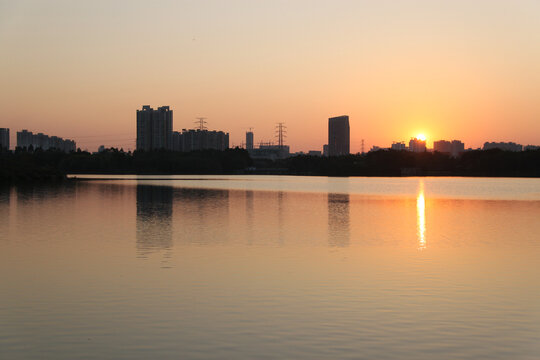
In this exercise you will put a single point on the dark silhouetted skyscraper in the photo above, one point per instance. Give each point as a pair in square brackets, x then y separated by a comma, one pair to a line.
[249, 140]
[154, 128]
[339, 138]
[4, 138]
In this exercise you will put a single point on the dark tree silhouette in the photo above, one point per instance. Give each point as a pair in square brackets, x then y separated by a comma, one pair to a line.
[39, 165]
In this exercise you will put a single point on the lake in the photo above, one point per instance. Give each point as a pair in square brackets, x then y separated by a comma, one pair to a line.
[270, 267]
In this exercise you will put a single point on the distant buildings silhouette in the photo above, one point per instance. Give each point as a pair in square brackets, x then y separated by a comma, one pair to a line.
[454, 147]
[268, 150]
[27, 140]
[508, 146]
[190, 140]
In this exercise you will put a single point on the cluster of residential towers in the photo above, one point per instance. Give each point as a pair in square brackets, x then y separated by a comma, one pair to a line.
[28, 140]
[155, 132]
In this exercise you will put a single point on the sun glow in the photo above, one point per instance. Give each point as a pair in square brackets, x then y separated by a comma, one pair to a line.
[421, 137]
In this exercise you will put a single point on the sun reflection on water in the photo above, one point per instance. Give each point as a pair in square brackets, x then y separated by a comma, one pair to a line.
[421, 216]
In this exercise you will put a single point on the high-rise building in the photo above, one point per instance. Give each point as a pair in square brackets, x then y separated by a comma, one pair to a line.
[249, 140]
[398, 146]
[417, 145]
[338, 136]
[177, 141]
[154, 128]
[24, 139]
[4, 138]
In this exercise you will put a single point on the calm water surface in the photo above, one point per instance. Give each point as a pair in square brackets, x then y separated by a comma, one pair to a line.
[248, 267]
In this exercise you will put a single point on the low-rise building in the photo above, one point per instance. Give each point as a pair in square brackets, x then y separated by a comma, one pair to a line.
[507, 146]
[271, 152]
[398, 146]
[454, 148]
[191, 140]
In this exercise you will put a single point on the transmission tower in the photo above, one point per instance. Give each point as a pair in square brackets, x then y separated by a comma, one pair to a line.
[201, 123]
[362, 146]
[281, 133]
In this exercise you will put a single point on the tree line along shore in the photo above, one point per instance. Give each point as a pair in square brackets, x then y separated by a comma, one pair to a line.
[37, 165]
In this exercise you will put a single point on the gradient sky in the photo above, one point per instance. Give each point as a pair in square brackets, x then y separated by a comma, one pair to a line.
[466, 70]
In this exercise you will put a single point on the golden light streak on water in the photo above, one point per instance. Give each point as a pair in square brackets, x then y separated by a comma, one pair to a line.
[421, 216]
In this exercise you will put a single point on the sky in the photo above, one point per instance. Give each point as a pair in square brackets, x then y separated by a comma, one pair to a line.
[467, 70]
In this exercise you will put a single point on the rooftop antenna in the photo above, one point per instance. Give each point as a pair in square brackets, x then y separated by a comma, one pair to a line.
[281, 133]
[201, 123]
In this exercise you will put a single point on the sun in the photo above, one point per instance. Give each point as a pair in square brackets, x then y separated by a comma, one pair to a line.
[421, 137]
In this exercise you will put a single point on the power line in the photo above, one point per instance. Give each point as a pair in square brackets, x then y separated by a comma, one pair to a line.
[101, 136]
[201, 123]
[107, 140]
[281, 133]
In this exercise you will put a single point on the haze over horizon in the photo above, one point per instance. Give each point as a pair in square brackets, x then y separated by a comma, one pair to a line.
[447, 69]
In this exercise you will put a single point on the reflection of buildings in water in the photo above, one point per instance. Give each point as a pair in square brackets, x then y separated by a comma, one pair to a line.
[113, 190]
[250, 208]
[154, 220]
[30, 193]
[203, 215]
[338, 220]
[281, 216]
[421, 217]
[5, 210]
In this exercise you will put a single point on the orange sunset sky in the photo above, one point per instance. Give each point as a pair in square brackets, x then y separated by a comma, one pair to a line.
[467, 70]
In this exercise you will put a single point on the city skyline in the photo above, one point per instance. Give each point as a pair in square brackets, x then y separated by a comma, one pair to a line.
[449, 70]
[156, 132]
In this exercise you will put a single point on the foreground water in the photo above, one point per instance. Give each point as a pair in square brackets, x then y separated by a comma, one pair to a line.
[271, 268]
